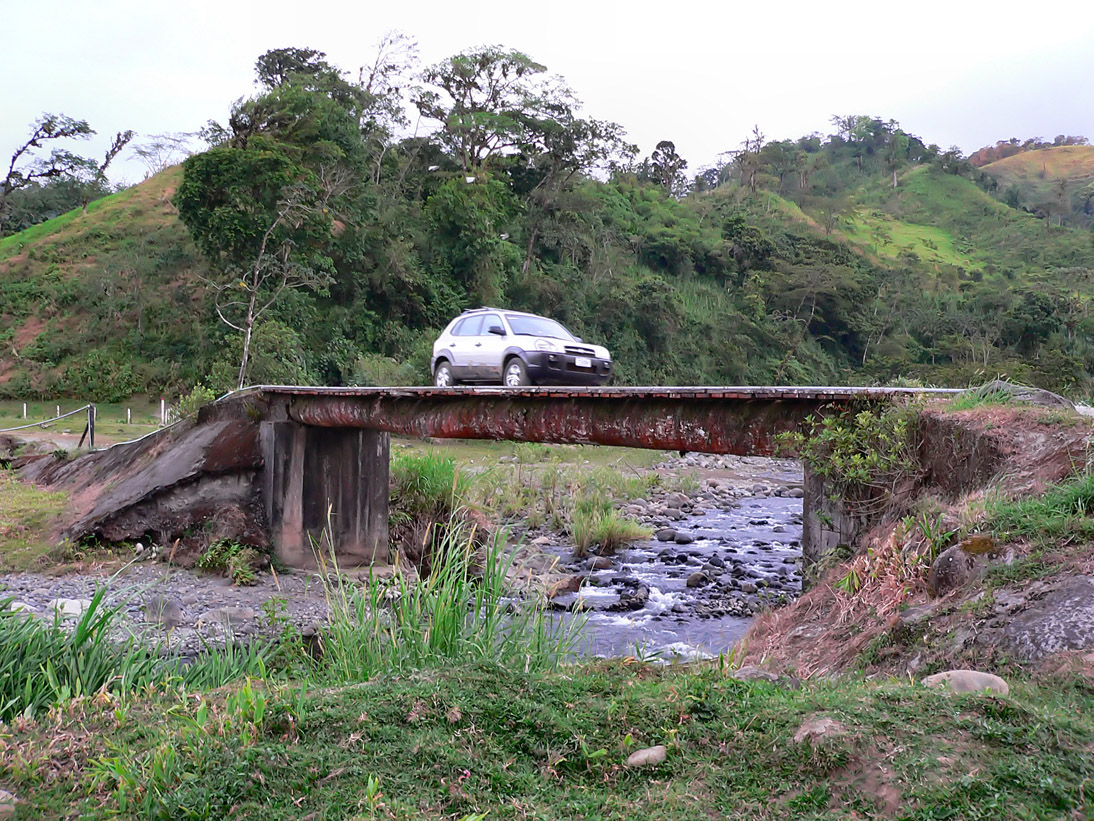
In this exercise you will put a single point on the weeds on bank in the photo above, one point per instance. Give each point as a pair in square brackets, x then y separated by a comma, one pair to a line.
[238, 562]
[460, 611]
[594, 522]
[43, 664]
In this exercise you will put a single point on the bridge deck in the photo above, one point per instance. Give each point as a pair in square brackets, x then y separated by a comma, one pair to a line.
[742, 420]
[784, 392]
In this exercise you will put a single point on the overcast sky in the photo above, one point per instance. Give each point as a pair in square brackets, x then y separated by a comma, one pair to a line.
[700, 74]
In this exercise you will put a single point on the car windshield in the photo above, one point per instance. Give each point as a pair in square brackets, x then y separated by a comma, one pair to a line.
[537, 326]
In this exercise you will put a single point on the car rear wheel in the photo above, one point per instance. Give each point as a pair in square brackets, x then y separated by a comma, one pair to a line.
[442, 375]
[516, 374]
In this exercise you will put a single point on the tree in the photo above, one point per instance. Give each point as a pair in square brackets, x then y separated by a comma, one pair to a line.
[667, 168]
[25, 168]
[263, 223]
[161, 151]
[489, 102]
[121, 139]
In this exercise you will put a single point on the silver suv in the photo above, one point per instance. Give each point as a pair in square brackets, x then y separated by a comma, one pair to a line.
[493, 345]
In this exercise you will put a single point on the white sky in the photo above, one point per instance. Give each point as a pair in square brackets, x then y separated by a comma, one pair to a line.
[701, 74]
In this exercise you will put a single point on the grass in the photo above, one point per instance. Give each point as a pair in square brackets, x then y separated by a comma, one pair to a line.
[1063, 514]
[27, 515]
[594, 522]
[43, 664]
[482, 740]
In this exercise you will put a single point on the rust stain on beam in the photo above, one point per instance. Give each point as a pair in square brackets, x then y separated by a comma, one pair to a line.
[741, 426]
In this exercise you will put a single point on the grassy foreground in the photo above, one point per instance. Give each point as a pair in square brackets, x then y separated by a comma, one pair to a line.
[480, 741]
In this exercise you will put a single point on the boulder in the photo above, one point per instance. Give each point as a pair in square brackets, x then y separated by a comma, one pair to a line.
[666, 534]
[1062, 619]
[968, 681]
[571, 584]
[684, 538]
[697, 579]
[752, 673]
[956, 565]
[648, 757]
[599, 563]
[69, 608]
[632, 599]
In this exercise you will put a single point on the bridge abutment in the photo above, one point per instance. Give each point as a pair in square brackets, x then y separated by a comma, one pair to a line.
[826, 523]
[324, 485]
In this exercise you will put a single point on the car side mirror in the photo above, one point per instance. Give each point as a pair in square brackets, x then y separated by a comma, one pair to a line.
[497, 330]
[577, 339]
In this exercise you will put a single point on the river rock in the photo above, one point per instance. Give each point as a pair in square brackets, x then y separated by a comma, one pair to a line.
[968, 681]
[632, 599]
[795, 493]
[747, 587]
[697, 579]
[163, 611]
[599, 563]
[229, 616]
[21, 607]
[683, 538]
[676, 500]
[8, 803]
[69, 608]
[541, 540]
[716, 561]
[666, 534]
[571, 584]
[759, 489]
[648, 757]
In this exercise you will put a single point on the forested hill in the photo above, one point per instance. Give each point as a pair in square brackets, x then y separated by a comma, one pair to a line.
[861, 257]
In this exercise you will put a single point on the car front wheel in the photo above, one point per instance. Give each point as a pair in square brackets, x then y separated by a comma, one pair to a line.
[516, 374]
[442, 375]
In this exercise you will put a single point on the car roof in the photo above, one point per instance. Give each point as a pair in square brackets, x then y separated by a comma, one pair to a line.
[500, 311]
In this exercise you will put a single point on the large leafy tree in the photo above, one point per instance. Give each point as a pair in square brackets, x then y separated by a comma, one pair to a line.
[268, 205]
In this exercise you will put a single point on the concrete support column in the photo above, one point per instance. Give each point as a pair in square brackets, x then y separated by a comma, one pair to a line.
[826, 524]
[326, 480]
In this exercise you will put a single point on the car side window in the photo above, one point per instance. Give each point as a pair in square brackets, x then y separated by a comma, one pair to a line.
[469, 327]
[490, 320]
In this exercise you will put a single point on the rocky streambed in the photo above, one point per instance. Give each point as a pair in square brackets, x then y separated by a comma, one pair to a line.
[720, 553]
[718, 556]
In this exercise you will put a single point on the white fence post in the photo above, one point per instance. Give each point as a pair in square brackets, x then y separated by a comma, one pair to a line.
[24, 410]
[129, 416]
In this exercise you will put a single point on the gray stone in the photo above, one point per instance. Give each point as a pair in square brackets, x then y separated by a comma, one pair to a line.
[164, 611]
[677, 500]
[759, 488]
[747, 587]
[697, 579]
[953, 568]
[228, 616]
[1063, 619]
[716, 561]
[648, 757]
[666, 534]
[779, 529]
[599, 563]
[795, 493]
[684, 538]
[752, 673]
[69, 608]
[632, 599]
[968, 681]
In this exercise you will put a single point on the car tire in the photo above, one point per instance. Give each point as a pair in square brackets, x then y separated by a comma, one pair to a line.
[515, 374]
[442, 375]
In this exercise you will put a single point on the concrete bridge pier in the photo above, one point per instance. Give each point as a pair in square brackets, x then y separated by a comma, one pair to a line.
[326, 484]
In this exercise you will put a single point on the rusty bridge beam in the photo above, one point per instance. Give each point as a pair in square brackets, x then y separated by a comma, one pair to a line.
[744, 421]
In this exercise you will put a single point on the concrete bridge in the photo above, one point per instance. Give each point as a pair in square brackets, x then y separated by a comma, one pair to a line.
[281, 457]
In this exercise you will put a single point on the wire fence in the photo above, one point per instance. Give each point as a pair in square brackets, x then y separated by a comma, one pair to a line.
[89, 430]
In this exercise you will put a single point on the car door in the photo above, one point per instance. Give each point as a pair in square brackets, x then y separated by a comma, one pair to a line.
[461, 346]
[489, 348]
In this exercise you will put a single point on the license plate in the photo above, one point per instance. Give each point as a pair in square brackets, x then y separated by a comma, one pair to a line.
[582, 362]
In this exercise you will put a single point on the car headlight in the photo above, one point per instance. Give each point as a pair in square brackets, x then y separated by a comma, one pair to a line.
[544, 345]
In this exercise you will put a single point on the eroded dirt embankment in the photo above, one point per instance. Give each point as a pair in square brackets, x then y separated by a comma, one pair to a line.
[1019, 601]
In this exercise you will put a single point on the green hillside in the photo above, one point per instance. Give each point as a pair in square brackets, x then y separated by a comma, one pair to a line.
[859, 258]
[1057, 182]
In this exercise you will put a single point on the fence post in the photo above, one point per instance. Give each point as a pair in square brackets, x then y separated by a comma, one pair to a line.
[24, 410]
[91, 427]
[163, 411]
[58, 410]
[129, 416]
